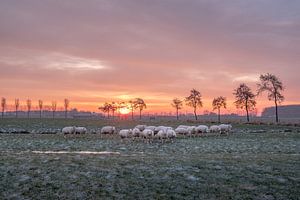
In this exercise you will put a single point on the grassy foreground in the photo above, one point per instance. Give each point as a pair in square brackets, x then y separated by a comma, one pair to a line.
[243, 165]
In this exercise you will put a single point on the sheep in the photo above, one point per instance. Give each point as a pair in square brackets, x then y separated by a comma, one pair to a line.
[214, 129]
[136, 132]
[191, 130]
[162, 134]
[141, 127]
[152, 128]
[171, 134]
[225, 128]
[125, 133]
[181, 131]
[159, 128]
[147, 134]
[108, 130]
[80, 130]
[69, 130]
[202, 129]
[183, 126]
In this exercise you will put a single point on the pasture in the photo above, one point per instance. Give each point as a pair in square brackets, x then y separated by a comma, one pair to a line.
[253, 162]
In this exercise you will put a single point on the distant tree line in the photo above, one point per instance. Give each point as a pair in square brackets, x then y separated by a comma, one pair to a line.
[132, 105]
[244, 97]
[29, 107]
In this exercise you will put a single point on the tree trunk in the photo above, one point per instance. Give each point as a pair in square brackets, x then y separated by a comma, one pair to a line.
[113, 114]
[219, 118]
[195, 113]
[177, 114]
[16, 113]
[276, 110]
[66, 114]
[28, 114]
[2, 113]
[132, 114]
[140, 114]
[40, 114]
[53, 113]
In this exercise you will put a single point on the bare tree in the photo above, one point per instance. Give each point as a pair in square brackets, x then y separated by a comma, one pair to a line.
[274, 87]
[17, 105]
[141, 105]
[3, 105]
[53, 107]
[121, 105]
[28, 103]
[245, 99]
[66, 105]
[40, 107]
[132, 106]
[194, 101]
[218, 103]
[177, 104]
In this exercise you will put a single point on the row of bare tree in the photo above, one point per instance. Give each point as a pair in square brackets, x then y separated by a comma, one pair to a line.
[132, 105]
[244, 97]
[29, 106]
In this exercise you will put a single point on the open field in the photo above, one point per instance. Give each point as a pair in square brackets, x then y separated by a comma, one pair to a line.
[254, 162]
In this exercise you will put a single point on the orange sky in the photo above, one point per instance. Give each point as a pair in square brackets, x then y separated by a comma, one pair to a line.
[96, 51]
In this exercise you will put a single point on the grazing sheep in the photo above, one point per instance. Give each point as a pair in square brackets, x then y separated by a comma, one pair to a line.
[152, 128]
[183, 126]
[125, 133]
[136, 132]
[147, 134]
[108, 130]
[191, 130]
[202, 129]
[225, 128]
[69, 130]
[159, 128]
[141, 127]
[181, 131]
[171, 134]
[162, 134]
[80, 130]
[215, 129]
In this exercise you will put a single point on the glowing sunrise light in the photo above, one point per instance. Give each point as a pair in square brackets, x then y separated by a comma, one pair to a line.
[124, 111]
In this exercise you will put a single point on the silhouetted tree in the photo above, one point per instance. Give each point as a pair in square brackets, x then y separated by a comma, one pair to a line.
[28, 103]
[245, 99]
[17, 105]
[132, 107]
[218, 103]
[274, 87]
[53, 108]
[105, 108]
[3, 105]
[194, 101]
[113, 107]
[121, 105]
[66, 105]
[40, 107]
[177, 104]
[141, 105]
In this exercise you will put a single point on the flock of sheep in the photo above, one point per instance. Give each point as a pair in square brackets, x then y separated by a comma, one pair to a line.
[155, 132]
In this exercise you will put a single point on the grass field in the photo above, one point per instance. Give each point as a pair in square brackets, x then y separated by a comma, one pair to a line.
[254, 162]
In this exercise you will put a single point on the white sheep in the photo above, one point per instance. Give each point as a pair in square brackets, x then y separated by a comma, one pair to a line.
[191, 130]
[162, 134]
[80, 130]
[141, 127]
[171, 134]
[202, 129]
[214, 129]
[108, 130]
[181, 131]
[183, 126]
[136, 132]
[147, 134]
[69, 130]
[225, 128]
[125, 133]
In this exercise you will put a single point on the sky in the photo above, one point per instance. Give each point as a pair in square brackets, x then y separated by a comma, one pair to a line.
[94, 51]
